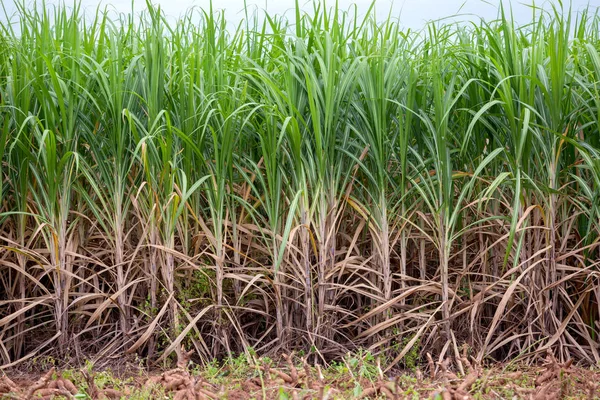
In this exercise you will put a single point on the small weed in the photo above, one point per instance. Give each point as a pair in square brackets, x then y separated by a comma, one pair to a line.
[283, 395]
[240, 367]
[363, 365]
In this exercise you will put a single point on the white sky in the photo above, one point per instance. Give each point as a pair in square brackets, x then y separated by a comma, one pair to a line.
[412, 13]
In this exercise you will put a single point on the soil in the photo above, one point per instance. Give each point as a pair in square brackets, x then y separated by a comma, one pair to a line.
[293, 378]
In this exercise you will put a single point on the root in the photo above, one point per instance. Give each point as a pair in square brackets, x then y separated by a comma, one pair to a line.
[457, 389]
[553, 382]
[181, 382]
[44, 388]
[41, 383]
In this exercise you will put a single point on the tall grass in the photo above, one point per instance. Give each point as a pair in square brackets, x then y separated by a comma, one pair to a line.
[320, 184]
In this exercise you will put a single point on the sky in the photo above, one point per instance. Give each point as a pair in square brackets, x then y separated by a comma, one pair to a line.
[412, 13]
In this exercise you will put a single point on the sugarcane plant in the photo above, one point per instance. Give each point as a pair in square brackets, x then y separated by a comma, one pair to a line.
[322, 181]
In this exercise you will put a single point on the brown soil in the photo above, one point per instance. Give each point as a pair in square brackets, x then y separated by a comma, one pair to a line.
[295, 379]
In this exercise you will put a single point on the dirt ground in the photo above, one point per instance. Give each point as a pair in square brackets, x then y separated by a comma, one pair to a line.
[294, 378]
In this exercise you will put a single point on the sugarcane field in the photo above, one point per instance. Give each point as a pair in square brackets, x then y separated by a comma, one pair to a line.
[320, 203]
